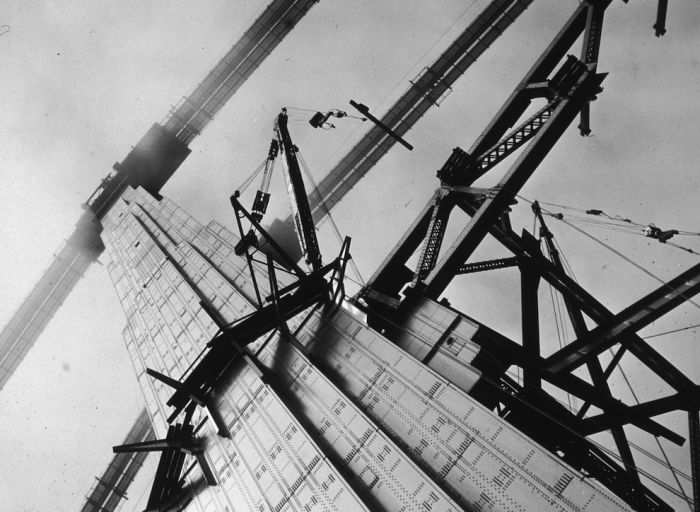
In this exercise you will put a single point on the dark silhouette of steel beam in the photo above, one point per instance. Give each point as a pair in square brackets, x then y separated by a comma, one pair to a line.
[157, 445]
[580, 388]
[493, 207]
[287, 260]
[584, 390]
[364, 110]
[519, 100]
[694, 434]
[529, 306]
[633, 318]
[226, 346]
[660, 23]
[601, 422]
[481, 266]
[589, 305]
[589, 55]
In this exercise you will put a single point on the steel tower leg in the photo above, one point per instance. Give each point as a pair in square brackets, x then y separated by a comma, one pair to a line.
[694, 434]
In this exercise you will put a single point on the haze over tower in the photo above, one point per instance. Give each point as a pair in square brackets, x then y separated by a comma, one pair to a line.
[150, 164]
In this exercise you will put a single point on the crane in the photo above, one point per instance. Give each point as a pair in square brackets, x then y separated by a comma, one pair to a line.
[303, 222]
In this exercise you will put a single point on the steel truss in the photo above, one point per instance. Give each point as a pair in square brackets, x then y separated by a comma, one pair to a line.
[566, 85]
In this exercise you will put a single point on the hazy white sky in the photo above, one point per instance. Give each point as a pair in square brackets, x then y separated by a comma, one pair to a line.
[83, 81]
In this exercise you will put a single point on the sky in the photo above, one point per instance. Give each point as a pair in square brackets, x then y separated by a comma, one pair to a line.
[82, 82]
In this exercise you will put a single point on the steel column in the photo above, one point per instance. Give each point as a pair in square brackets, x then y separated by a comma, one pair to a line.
[694, 434]
[529, 306]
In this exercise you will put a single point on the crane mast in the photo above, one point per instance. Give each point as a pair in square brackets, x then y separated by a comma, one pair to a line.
[301, 211]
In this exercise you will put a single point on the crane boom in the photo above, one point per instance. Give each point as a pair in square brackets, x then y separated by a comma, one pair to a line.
[303, 221]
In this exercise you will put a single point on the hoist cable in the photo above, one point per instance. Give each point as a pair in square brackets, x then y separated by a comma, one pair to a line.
[616, 227]
[686, 249]
[660, 461]
[303, 109]
[334, 112]
[246, 183]
[671, 332]
[328, 214]
[559, 321]
[556, 318]
[592, 212]
[567, 266]
[611, 249]
[598, 222]
[628, 260]
[618, 220]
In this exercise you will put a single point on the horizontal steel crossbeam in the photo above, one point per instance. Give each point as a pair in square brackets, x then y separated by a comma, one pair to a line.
[588, 304]
[601, 422]
[635, 317]
[481, 266]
